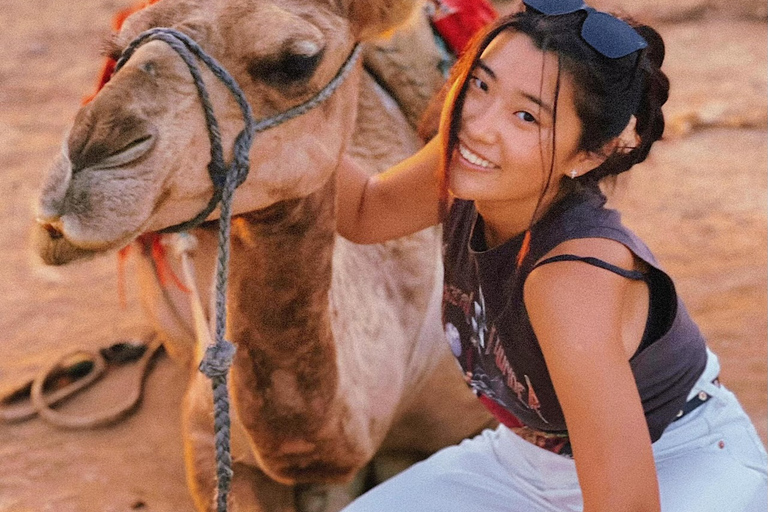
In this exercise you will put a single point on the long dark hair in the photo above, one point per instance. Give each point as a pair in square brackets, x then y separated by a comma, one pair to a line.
[607, 91]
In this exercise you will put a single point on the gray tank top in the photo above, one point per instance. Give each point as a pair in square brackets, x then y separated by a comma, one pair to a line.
[487, 325]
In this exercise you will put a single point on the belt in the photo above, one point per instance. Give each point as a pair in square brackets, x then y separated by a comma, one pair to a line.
[560, 444]
[696, 401]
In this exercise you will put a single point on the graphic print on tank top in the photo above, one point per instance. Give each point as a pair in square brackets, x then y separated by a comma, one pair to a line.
[478, 350]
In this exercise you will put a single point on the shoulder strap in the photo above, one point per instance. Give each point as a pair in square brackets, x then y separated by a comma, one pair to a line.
[629, 274]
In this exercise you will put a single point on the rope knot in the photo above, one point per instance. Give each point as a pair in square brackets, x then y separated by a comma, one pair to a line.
[217, 170]
[217, 359]
[181, 243]
[240, 171]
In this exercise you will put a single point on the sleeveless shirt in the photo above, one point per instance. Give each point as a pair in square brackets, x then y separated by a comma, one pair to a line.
[490, 334]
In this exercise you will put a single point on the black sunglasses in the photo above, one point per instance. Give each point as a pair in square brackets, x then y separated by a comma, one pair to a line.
[608, 35]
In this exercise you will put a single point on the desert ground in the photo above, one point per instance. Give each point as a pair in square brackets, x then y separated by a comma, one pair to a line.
[699, 202]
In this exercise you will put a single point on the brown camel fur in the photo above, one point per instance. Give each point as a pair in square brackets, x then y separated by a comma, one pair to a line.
[340, 348]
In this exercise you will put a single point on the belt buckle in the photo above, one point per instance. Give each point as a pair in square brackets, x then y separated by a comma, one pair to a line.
[701, 397]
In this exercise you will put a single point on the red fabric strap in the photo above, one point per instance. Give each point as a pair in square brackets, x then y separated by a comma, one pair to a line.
[457, 21]
[504, 416]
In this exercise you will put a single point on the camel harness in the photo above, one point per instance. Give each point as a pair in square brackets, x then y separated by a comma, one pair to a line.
[219, 354]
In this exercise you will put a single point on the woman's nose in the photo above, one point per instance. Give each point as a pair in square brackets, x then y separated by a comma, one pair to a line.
[480, 123]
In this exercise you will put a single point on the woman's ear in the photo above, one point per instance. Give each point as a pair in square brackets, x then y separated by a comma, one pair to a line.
[628, 139]
[585, 162]
[625, 142]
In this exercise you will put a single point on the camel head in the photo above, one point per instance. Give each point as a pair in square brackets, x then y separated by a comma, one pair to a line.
[135, 159]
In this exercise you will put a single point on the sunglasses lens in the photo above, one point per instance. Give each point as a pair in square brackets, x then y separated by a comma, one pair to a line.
[555, 7]
[611, 36]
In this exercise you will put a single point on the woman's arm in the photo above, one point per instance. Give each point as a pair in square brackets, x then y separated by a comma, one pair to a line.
[577, 312]
[400, 201]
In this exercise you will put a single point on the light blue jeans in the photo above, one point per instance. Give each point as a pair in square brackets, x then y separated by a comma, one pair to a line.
[711, 460]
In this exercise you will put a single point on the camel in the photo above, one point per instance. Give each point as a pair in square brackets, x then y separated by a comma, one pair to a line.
[340, 349]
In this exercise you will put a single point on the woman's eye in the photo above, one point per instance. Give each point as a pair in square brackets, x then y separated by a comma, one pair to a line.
[478, 83]
[525, 116]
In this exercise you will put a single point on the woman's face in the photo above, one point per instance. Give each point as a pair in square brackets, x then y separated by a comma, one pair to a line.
[505, 138]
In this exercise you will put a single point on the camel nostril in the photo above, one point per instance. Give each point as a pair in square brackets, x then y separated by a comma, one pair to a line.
[52, 230]
[134, 144]
[120, 154]
[114, 139]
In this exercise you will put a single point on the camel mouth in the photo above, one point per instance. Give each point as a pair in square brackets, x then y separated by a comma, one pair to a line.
[314, 471]
[54, 248]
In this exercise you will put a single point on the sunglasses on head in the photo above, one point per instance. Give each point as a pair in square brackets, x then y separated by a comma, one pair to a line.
[608, 35]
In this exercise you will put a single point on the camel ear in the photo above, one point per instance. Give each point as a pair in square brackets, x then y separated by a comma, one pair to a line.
[158, 14]
[370, 18]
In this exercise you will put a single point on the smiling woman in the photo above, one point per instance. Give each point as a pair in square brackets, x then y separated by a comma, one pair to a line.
[567, 329]
[508, 120]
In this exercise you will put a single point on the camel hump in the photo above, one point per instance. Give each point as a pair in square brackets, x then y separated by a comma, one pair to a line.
[409, 64]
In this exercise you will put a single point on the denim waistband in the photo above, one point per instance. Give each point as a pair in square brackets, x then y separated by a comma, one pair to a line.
[704, 388]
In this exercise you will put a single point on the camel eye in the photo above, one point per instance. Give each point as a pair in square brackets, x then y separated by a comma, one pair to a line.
[286, 69]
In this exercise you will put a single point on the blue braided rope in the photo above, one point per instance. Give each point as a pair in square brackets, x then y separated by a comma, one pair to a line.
[218, 357]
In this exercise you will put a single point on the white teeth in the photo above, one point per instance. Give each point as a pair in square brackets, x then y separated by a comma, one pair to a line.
[475, 159]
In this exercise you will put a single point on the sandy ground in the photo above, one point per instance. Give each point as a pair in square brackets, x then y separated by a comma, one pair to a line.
[700, 203]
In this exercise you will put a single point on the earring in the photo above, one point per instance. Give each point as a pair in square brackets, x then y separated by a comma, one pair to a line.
[573, 173]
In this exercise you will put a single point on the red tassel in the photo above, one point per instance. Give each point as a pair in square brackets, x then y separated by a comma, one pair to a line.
[122, 255]
[525, 248]
[164, 270]
[457, 21]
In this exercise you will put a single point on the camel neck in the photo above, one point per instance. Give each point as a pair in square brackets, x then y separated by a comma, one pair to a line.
[281, 274]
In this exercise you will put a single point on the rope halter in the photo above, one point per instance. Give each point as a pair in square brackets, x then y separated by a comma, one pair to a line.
[218, 357]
